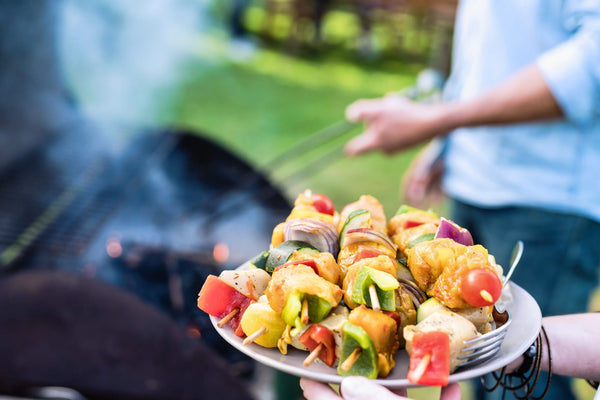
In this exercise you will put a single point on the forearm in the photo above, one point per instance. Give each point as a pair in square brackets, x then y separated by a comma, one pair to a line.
[573, 346]
[394, 123]
[524, 97]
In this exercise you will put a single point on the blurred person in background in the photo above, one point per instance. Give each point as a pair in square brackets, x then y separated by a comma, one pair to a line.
[516, 143]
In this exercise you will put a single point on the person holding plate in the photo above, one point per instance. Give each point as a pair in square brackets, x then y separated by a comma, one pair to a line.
[515, 144]
[567, 345]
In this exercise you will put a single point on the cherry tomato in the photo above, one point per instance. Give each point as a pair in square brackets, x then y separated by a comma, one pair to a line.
[323, 204]
[481, 287]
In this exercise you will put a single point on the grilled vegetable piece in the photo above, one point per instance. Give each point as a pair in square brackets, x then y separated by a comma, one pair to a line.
[430, 359]
[382, 329]
[451, 230]
[317, 309]
[300, 278]
[316, 335]
[260, 260]
[218, 299]
[320, 234]
[334, 322]
[410, 223]
[280, 254]
[307, 205]
[457, 327]
[357, 345]
[360, 218]
[384, 285]
[439, 266]
[259, 315]
[420, 239]
[356, 252]
[325, 264]
[380, 263]
[251, 283]
[323, 204]
[481, 317]
[480, 287]
[428, 307]
[375, 208]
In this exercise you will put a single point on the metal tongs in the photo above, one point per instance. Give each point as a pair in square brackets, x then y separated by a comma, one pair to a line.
[484, 347]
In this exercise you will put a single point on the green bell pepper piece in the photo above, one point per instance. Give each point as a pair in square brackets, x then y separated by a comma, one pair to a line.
[366, 364]
[318, 309]
[385, 284]
[420, 239]
[404, 208]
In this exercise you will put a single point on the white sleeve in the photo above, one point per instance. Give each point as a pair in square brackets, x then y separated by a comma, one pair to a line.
[572, 69]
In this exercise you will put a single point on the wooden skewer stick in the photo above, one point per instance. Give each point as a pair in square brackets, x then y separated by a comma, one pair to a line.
[304, 312]
[228, 317]
[374, 299]
[421, 368]
[349, 362]
[255, 335]
[486, 296]
[313, 355]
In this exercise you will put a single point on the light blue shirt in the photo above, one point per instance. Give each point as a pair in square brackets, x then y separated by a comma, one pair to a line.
[553, 165]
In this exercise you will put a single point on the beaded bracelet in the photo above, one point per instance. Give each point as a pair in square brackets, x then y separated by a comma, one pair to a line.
[524, 380]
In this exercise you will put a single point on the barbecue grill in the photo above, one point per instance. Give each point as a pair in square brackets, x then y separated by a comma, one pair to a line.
[152, 216]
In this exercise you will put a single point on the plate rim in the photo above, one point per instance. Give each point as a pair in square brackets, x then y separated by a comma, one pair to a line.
[505, 356]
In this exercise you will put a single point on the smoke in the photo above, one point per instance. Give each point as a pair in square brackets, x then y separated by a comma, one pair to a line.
[123, 58]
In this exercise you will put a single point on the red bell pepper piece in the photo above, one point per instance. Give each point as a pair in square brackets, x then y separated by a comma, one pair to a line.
[315, 335]
[218, 299]
[411, 224]
[308, 262]
[430, 359]
[395, 316]
[366, 252]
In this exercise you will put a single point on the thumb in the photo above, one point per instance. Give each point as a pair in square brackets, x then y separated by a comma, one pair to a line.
[451, 392]
[361, 388]
[362, 143]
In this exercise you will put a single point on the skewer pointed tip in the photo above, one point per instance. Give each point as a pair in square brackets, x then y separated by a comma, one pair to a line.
[313, 355]
[228, 317]
[254, 336]
[349, 362]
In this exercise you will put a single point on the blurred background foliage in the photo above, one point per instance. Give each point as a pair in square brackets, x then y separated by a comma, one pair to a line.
[262, 87]
[265, 91]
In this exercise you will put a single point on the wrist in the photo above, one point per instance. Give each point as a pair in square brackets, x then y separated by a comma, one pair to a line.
[450, 116]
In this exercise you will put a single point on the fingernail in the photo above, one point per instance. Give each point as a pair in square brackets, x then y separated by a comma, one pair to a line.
[302, 383]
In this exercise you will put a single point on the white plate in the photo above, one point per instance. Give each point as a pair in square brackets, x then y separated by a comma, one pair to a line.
[525, 326]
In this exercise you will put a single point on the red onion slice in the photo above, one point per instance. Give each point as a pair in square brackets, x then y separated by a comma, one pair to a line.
[450, 230]
[367, 235]
[320, 234]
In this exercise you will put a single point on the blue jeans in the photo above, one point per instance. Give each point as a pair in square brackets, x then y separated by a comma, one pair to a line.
[560, 264]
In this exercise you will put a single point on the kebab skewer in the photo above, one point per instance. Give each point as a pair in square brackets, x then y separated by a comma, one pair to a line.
[230, 294]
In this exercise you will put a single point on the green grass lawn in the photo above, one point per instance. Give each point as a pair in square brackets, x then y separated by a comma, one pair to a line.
[266, 105]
